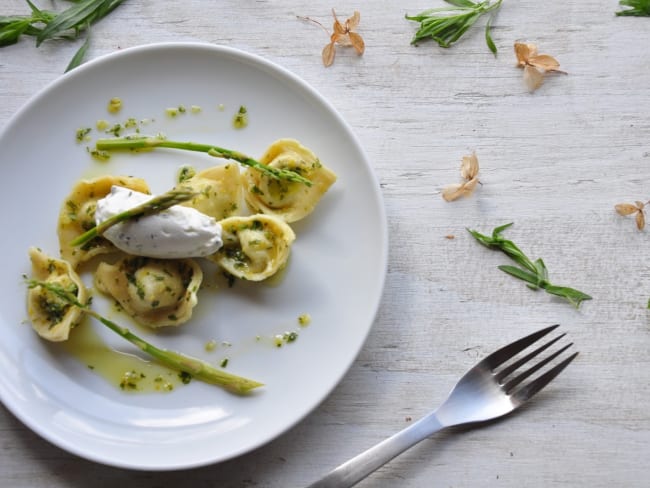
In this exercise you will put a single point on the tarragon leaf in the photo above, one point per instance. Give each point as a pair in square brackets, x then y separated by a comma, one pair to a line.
[639, 8]
[488, 36]
[461, 3]
[77, 17]
[78, 58]
[574, 296]
[521, 274]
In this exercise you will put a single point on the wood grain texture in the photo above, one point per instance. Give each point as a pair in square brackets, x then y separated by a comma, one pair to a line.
[554, 162]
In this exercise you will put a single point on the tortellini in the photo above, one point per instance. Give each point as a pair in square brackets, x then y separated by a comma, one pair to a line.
[51, 316]
[254, 247]
[161, 292]
[291, 201]
[155, 292]
[77, 215]
[219, 191]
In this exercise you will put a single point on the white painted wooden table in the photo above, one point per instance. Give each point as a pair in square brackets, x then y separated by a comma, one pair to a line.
[554, 162]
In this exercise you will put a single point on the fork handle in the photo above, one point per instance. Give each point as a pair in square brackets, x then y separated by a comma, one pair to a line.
[360, 466]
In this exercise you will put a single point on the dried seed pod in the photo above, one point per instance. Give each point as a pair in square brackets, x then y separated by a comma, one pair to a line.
[637, 208]
[626, 208]
[469, 172]
[469, 167]
[640, 220]
[535, 65]
[343, 35]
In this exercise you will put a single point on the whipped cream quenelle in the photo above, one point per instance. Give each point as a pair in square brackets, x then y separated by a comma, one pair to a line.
[177, 232]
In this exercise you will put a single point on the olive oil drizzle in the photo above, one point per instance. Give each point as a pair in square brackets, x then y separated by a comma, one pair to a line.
[127, 372]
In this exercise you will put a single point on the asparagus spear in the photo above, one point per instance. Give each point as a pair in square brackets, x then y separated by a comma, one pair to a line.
[135, 143]
[197, 368]
[156, 204]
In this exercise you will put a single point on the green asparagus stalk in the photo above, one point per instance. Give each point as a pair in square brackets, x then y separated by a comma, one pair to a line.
[197, 368]
[155, 205]
[135, 143]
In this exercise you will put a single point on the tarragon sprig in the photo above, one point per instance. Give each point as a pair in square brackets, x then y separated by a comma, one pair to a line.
[141, 142]
[196, 368]
[47, 24]
[534, 273]
[155, 205]
[446, 25]
[638, 8]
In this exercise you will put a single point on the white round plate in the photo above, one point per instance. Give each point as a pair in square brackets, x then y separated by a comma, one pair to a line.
[335, 274]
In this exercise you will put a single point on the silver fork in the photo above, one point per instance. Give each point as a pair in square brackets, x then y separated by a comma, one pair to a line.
[485, 392]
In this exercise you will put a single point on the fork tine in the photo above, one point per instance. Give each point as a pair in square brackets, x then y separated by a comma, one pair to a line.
[505, 372]
[521, 377]
[532, 388]
[500, 356]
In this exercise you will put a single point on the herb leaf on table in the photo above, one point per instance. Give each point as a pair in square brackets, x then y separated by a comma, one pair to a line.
[638, 8]
[534, 273]
[66, 24]
[446, 25]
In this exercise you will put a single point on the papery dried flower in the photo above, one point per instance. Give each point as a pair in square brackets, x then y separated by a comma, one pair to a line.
[535, 65]
[344, 35]
[469, 167]
[636, 208]
[469, 172]
[457, 190]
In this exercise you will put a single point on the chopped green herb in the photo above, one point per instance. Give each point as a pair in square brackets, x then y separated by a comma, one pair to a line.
[102, 156]
[240, 120]
[185, 173]
[116, 130]
[304, 319]
[82, 133]
[130, 380]
[290, 336]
